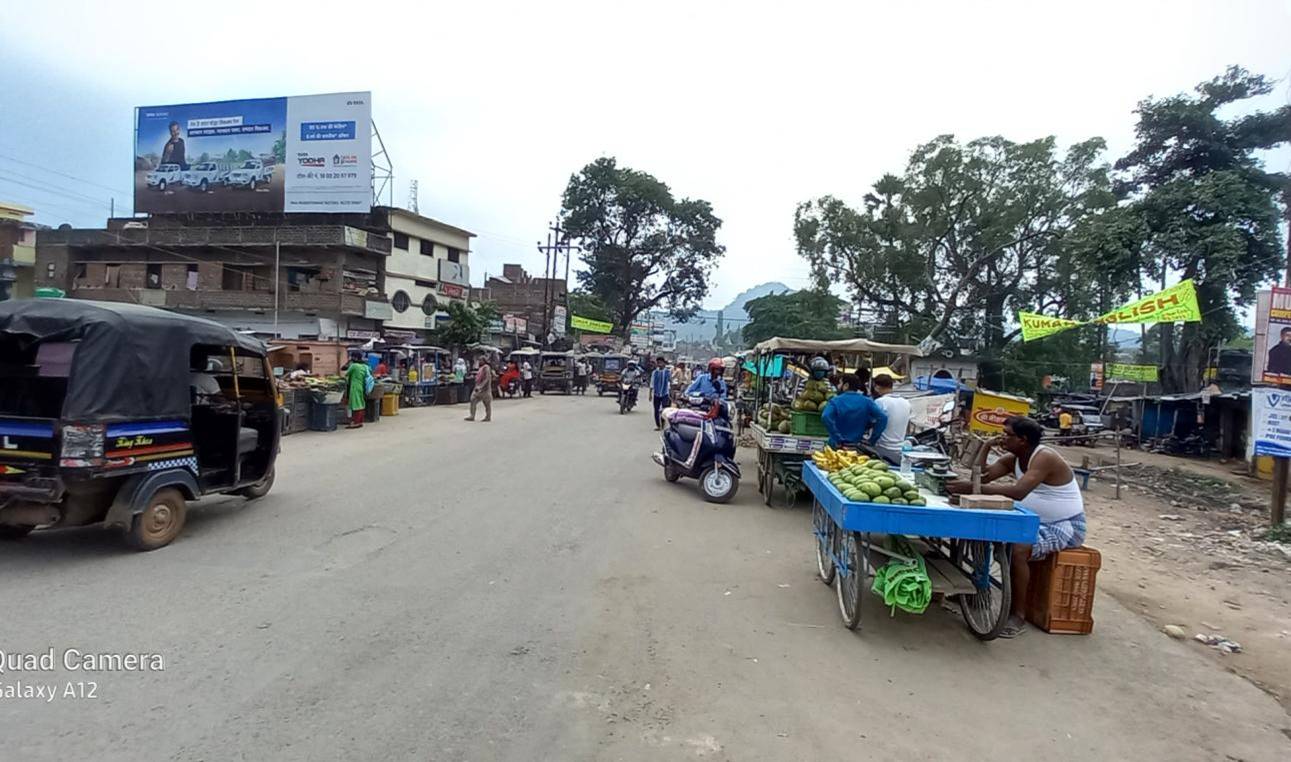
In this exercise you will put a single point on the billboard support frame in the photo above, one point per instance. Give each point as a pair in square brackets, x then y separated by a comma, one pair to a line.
[382, 169]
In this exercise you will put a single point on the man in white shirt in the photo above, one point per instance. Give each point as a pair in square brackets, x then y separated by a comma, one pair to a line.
[526, 378]
[898, 412]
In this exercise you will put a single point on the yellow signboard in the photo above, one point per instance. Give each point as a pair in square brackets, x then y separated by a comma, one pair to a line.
[1121, 372]
[991, 409]
[1177, 304]
[591, 326]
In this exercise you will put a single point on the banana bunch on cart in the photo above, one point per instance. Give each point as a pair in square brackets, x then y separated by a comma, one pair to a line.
[831, 460]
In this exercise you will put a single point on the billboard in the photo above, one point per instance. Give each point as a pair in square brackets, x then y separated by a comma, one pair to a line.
[453, 272]
[1272, 355]
[310, 153]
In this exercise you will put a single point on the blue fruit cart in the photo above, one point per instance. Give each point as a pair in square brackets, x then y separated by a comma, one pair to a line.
[965, 550]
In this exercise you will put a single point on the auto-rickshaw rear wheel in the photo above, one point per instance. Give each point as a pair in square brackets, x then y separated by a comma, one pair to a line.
[15, 532]
[260, 488]
[160, 522]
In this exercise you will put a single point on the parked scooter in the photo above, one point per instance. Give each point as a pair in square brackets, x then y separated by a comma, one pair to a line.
[627, 396]
[701, 445]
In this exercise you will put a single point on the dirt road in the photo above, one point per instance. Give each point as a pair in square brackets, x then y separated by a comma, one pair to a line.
[426, 588]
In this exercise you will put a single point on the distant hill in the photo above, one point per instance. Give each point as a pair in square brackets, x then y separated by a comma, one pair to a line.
[702, 326]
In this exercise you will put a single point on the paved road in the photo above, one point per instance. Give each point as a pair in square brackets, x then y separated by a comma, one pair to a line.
[532, 589]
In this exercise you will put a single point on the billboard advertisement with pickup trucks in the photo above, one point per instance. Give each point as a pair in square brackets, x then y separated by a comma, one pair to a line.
[309, 153]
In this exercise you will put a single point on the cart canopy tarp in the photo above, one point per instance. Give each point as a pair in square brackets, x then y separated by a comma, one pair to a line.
[772, 367]
[131, 361]
[845, 346]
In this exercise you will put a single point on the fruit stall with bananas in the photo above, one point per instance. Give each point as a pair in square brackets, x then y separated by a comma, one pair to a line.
[788, 401]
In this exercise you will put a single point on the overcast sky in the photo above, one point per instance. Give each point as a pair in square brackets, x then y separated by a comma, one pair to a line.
[491, 106]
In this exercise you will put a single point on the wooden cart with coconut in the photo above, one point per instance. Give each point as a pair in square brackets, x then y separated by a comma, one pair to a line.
[787, 402]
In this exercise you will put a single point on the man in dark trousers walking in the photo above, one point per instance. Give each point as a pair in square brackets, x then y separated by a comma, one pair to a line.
[660, 389]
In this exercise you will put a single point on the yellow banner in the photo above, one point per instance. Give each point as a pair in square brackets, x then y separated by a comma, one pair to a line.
[1121, 372]
[591, 326]
[1177, 304]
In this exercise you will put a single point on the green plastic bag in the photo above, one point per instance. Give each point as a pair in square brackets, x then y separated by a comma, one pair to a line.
[903, 585]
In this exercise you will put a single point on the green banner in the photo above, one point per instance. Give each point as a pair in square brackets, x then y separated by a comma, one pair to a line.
[1177, 304]
[591, 326]
[1116, 371]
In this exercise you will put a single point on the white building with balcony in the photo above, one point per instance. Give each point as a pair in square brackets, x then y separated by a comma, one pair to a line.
[428, 268]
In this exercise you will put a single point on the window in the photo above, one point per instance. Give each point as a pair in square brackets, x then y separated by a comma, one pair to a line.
[302, 278]
[190, 280]
[235, 278]
[454, 255]
[49, 271]
[400, 302]
[425, 283]
[429, 305]
[401, 241]
[81, 270]
[153, 277]
[111, 276]
[427, 247]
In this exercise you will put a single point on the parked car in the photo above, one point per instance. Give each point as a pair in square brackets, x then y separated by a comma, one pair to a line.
[251, 174]
[205, 174]
[165, 175]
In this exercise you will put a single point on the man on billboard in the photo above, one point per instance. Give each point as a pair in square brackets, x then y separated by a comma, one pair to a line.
[173, 153]
[1280, 354]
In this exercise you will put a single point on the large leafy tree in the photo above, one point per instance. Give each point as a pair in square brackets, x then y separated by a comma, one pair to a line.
[466, 324]
[801, 315]
[967, 235]
[642, 248]
[588, 305]
[1206, 207]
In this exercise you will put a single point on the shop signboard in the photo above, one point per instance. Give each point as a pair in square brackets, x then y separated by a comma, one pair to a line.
[559, 317]
[931, 412]
[355, 333]
[453, 272]
[1271, 421]
[309, 153]
[1096, 376]
[991, 409]
[1177, 304]
[451, 290]
[1272, 354]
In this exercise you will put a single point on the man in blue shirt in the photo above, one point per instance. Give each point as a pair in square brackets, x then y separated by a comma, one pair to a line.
[710, 386]
[849, 415]
[660, 389]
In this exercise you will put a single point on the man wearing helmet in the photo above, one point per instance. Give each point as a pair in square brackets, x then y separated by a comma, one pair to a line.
[711, 386]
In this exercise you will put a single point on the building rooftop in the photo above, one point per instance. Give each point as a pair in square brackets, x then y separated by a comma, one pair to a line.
[424, 219]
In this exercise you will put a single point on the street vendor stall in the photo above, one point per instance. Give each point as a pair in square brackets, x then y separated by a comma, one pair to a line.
[787, 402]
[913, 545]
[416, 370]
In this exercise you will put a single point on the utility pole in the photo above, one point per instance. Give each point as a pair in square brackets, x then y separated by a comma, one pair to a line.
[557, 244]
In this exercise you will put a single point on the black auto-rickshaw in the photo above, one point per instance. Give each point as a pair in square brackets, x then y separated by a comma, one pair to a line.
[611, 367]
[119, 414]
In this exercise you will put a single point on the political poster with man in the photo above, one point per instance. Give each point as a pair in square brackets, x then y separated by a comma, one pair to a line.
[1273, 337]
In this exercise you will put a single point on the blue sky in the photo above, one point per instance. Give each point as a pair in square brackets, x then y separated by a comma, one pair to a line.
[490, 107]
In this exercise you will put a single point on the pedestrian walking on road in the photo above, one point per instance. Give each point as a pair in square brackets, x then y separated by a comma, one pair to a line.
[483, 392]
[660, 390]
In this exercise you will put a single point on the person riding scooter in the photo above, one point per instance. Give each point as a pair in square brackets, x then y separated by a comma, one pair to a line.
[711, 386]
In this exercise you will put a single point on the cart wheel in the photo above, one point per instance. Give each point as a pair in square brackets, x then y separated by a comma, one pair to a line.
[851, 576]
[988, 565]
[823, 527]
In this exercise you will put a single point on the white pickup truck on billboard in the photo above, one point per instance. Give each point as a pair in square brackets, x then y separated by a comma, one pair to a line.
[310, 153]
[252, 174]
[165, 176]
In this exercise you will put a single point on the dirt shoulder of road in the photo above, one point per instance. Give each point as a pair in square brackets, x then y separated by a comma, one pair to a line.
[1183, 547]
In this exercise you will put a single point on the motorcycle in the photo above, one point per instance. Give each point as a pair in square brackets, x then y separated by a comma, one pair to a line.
[627, 397]
[701, 445]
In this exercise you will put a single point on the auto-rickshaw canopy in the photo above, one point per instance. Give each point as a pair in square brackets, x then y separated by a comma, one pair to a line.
[130, 362]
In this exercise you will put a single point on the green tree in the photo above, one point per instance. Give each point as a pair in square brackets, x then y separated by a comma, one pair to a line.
[467, 324]
[589, 306]
[800, 315]
[1207, 208]
[642, 248]
[966, 236]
